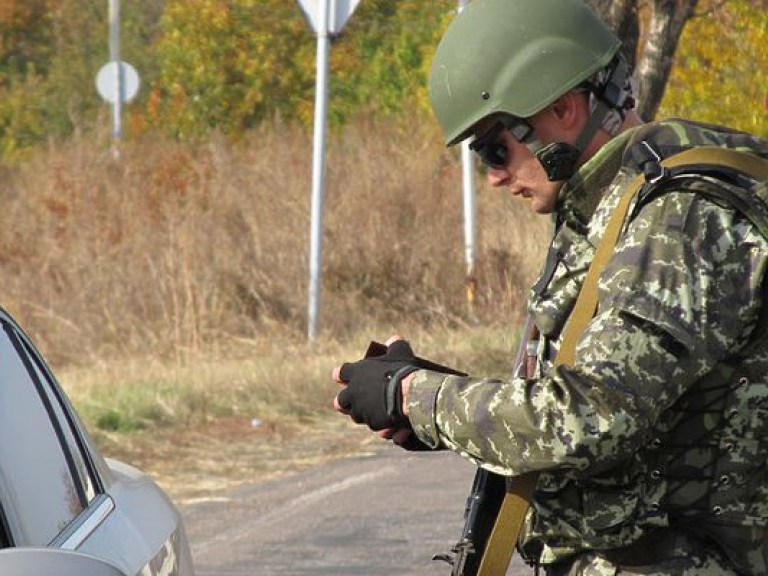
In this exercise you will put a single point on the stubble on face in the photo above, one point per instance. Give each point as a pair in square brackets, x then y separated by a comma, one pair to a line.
[525, 178]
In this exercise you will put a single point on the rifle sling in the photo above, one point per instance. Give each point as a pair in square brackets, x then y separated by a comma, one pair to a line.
[506, 529]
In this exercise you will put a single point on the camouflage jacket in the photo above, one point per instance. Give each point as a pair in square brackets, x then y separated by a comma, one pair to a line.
[662, 422]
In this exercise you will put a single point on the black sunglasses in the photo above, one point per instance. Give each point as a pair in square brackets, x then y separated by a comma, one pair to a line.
[493, 152]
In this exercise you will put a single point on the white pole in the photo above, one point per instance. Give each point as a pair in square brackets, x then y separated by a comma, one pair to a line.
[470, 212]
[114, 56]
[470, 215]
[318, 169]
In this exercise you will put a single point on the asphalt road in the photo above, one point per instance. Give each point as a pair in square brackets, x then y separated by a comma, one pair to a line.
[385, 513]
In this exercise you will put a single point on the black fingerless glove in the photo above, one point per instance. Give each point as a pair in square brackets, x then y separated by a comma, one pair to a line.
[373, 395]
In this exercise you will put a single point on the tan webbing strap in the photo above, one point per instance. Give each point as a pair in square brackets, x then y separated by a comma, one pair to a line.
[509, 521]
[586, 304]
[506, 530]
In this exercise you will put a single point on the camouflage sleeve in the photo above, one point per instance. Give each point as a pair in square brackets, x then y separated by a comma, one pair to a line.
[681, 292]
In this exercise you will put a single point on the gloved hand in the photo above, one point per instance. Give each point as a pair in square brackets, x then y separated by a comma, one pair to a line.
[373, 392]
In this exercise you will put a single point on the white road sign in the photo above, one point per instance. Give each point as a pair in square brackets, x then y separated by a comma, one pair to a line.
[339, 12]
[327, 17]
[107, 82]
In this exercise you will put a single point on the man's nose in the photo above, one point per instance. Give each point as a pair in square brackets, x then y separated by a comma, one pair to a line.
[497, 176]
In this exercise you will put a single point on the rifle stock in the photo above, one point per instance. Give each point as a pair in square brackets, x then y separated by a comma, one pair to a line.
[480, 513]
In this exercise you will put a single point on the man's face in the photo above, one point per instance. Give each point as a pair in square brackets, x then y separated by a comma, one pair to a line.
[518, 169]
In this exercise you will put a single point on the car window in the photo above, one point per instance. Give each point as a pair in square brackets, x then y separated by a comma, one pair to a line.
[40, 490]
[76, 445]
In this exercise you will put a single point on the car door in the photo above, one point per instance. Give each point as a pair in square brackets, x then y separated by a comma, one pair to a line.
[53, 561]
[49, 489]
[57, 491]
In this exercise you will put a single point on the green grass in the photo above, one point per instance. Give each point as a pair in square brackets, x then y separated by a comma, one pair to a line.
[289, 386]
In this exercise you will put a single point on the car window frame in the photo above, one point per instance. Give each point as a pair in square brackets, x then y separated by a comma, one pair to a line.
[73, 422]
[70, 434]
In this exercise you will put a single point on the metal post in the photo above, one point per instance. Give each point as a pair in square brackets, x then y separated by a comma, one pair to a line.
[470, 216]
[470, 212]
[318, 169]
[114, 56]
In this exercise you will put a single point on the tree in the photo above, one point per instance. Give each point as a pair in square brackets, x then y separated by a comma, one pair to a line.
[665, 26]
[388, 48]
[25, 52]
[228, 64]
[50, 52]
[24, 35]
[651, 41]
[721, 70]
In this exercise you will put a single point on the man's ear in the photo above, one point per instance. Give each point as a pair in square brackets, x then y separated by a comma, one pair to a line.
[566, 108]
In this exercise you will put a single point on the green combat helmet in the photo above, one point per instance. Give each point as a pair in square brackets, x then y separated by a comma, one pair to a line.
[513, 58]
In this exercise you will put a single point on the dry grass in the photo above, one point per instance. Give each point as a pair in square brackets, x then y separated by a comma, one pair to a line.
[213, 424]
[169, 287]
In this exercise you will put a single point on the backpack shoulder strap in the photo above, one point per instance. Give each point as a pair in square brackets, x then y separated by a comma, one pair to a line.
[734, 180]
[694, 160]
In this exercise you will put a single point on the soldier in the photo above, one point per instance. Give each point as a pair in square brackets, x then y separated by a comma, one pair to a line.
[650, 444]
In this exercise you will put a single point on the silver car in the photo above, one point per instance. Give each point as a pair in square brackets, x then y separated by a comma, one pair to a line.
[64, 509]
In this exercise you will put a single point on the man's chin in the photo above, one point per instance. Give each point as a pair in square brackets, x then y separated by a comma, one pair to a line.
[539, 208]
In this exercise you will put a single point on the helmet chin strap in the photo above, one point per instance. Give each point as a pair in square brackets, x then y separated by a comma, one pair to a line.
[560, 159]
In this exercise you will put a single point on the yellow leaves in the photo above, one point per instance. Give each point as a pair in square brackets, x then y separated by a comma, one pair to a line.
[232, 58]
[20, 122]
[721, 68]
[230, 64]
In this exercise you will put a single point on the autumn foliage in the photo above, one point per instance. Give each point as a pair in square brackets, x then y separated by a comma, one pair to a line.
[205, 65]
[721, 72]
[229, 65]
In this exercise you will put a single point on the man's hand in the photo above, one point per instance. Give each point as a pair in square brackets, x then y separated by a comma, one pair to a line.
[372, 392]
[376, 389]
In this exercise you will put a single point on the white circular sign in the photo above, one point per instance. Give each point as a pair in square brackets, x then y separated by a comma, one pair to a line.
[107, 81]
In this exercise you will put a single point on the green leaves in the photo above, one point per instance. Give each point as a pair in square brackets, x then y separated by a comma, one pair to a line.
[231, 64]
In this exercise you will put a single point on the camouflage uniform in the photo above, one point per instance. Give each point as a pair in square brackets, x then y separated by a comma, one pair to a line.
[652, 448]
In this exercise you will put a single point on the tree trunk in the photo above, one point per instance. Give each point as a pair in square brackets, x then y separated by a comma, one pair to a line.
[652, 63]
[621, 16]
[668, 17]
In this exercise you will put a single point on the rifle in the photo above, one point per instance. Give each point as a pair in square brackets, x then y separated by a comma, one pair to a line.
[471, 555]
[480, 512]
